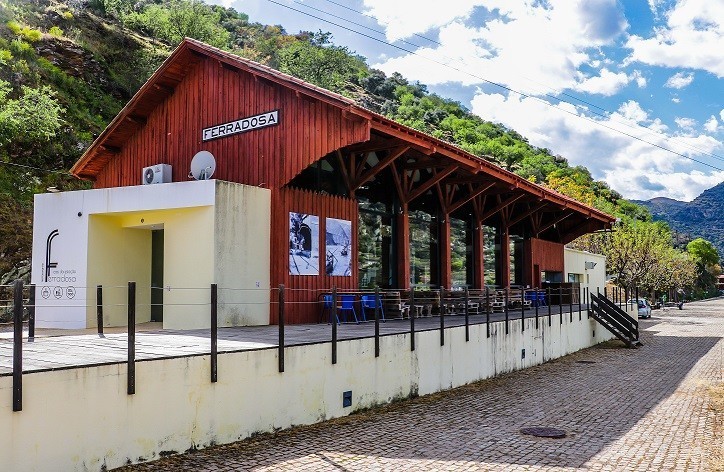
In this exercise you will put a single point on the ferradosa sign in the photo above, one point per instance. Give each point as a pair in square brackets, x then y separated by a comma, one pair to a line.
[269, 118]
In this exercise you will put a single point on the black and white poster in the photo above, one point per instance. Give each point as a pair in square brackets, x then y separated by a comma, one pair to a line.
[303, 244]
[338, 243]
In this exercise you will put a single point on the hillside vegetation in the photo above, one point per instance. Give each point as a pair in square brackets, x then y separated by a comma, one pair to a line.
[66, 69]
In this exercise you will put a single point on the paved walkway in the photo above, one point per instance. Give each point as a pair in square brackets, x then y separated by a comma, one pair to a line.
[623, 410]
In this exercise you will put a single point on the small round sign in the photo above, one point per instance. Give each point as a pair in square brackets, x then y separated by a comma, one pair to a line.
[45, 293]
[58, 292]
[70, 292]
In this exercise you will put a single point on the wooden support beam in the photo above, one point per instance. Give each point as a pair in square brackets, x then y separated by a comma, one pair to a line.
[398, 185]
[431, 182]
[500, 206]
[554, 222]
[389, 159]
[478, 256]
[345, 173]
[475, 193]
[426, 164]
[527, 213]
[163, 88]
[573, 233]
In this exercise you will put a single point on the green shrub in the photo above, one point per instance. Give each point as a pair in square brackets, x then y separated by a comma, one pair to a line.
[5, 56]
[14, 27]
[55, 32]
[67, 15]
[21, 48]
[31, 35]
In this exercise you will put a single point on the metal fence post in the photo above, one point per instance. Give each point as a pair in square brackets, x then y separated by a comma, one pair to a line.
[507, 320]
[442, 317]
[487, 312]
[281, 327]
[580, 302]
[99, 309]
[560, 303]
[214, 333]
[411, 314]
[18, 346]
[31, 314]
[378, 302]
[334, 325]
[131, 373]
[467, 315]
[522, 309]
[537, 302]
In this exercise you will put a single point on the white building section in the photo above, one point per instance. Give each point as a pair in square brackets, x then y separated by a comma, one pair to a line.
[174, 240]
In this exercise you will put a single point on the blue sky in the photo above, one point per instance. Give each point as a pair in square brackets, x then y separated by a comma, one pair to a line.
[585, 74]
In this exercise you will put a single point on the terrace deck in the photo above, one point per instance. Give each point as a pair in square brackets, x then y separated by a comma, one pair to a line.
[53, 352]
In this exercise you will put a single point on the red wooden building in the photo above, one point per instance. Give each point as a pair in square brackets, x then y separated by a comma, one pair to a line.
[385, 204]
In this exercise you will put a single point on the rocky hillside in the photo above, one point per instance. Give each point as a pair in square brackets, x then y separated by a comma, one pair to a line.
[703, 217]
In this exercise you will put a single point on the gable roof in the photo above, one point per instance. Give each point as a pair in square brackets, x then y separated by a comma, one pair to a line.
[173, 70]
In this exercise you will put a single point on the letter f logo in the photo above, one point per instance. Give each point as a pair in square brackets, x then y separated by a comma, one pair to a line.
[48, 249]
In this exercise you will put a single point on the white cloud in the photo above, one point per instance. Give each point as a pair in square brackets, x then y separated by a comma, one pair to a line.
[711, 124]
[639, 78]
[404, 18]
[693, 37]
[631, 110]
[607, 83]
[679, 80]
[633, 167]
[721, 114]
[530, 46]
[685, 123]
[676, 99]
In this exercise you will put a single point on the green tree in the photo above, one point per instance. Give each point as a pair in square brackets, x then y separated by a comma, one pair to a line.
[314, 59]
[34, 116]
[703, 252]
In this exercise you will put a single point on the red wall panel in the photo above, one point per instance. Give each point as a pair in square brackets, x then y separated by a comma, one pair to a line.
[547, 255]
[303, 292]
[211, 94]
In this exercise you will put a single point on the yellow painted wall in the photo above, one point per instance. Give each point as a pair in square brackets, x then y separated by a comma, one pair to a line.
[243, 231]
[120, 250]
[117, 255]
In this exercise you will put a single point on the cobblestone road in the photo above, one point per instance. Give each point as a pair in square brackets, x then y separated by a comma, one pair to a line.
[623, 410]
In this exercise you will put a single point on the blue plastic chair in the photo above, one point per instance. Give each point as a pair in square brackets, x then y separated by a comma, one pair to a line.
[347, 306]
[368, 303]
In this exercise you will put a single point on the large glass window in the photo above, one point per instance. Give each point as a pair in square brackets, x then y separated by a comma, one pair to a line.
[424, 262]
[491, 255]
[375, 246]
[461, 260]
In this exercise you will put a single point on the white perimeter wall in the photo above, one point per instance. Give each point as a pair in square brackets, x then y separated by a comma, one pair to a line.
[82, 419]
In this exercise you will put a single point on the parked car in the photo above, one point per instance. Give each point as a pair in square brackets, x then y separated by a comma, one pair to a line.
[644, 307]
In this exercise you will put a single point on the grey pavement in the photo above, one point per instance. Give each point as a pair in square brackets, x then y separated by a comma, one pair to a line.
[622, 409]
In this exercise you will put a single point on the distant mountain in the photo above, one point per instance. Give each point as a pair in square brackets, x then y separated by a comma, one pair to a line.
[703, 217]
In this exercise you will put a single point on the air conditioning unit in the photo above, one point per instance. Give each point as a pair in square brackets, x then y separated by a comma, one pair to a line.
[158, 174]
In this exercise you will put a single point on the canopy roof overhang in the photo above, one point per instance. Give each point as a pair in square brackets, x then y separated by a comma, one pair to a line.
[419, 164]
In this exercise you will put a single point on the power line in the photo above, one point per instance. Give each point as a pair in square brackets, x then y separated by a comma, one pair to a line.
[522, 94]
[603, 114]
[372, 17]
[61, 172]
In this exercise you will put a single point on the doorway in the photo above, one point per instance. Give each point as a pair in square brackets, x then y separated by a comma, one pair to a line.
[157, 275]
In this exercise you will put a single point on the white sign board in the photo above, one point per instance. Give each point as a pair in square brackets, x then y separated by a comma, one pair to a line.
[60, 251]
[242, 125]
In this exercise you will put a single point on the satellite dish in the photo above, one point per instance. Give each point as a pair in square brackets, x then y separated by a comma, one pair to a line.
[203, 166]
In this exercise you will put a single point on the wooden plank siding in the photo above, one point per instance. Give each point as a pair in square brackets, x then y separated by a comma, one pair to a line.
[303, 291]
[547, 255]
[211, 94]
